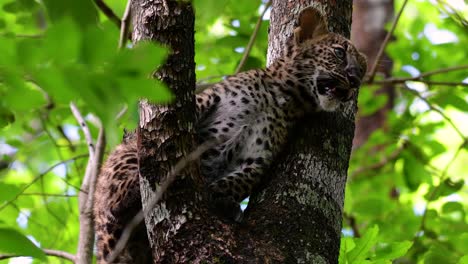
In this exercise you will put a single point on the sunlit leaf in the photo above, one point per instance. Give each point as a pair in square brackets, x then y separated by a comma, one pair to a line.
[447, 187]
[347, 244]
[13, 242]
[363, 245]
[392, 251]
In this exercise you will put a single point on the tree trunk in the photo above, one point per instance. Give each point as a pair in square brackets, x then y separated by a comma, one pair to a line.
[368, 33]
[304, 202]
[297, 217]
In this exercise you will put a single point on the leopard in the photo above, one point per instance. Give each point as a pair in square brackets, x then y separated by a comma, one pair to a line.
[249, 115]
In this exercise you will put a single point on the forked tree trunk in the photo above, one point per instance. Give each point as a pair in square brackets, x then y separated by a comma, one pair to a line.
[297, 217]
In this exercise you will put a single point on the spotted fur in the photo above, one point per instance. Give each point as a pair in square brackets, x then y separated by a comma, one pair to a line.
[249, 114]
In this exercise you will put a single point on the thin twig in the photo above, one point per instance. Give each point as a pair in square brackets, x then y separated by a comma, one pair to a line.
[252, 39]
[108, 12]
[84, 127]
[59, 253]
[125, 25]
[49, 252]
[443, 70]
[419, 77]
[435, 109]
[140, 216]
[435, 190]
[384, 161]
[400, 81]
[384, 44]
[352, 223]
[121, 113]
[49, 194]
[38, 177]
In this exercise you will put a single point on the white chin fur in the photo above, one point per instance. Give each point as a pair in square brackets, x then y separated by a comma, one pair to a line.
[328, 104]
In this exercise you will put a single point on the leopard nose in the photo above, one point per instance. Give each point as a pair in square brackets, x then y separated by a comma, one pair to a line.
[344, 94]
[353, 76]
[354, 81]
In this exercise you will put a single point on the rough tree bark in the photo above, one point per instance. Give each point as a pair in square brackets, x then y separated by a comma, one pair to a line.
[368, 33]
[297, 217]
[304, 202]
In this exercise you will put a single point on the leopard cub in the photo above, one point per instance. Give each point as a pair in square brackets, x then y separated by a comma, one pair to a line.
[252, 112]
[250, 115]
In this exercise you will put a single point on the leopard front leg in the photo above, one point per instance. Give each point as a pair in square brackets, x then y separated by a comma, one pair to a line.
[227, 192]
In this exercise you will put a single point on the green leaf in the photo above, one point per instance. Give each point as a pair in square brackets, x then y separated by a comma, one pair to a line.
[6, 117]
[463, 260]
[447, 187]
[13, 242]
[62, 41]
[83, 12]
[373, 206]
[438, 254]
[414, 172]
[8, 192]
[347, 244]
[392, 251]
[363, 245]
[454, 100]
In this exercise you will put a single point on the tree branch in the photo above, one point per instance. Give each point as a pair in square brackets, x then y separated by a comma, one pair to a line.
[402, 81]
[434, 191]
[140, 216]
[48, 252]
[49, 194]
[38, 177]
[352, 223]
[435, 109]
[421, 77]
[384, 161]
[86, 237]
[84, 127]
[252, 39]
[108, 12]
[384, 44]
[125, 25]
[60, 254]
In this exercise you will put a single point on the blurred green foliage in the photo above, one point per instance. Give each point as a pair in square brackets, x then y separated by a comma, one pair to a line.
[410, 208]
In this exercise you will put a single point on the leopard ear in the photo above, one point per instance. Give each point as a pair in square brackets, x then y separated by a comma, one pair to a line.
[311, 24]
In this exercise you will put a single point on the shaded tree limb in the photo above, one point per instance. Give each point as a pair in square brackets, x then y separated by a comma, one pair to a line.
[373, 70]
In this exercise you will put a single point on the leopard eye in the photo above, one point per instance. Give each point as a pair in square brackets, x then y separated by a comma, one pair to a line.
[340, 52]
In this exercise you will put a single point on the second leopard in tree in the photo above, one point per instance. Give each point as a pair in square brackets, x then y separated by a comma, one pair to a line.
[252, 112]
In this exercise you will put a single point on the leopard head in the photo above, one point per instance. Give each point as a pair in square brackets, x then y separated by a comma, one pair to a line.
[336, 66]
